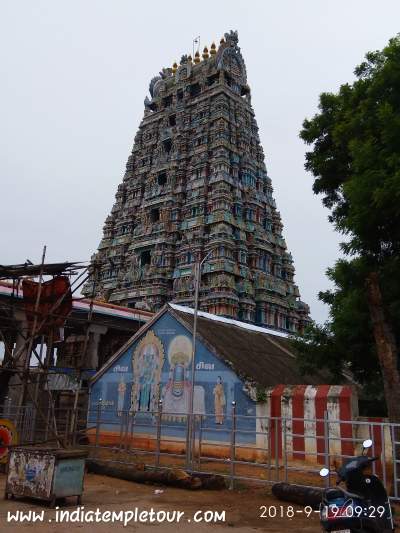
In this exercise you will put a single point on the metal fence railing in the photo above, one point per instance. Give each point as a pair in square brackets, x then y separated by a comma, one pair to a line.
[243, 448]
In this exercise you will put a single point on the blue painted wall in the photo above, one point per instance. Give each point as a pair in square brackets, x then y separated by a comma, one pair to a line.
[157, 365]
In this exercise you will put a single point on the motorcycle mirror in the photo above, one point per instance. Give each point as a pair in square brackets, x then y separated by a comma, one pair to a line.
[367, 443]
[324, 472]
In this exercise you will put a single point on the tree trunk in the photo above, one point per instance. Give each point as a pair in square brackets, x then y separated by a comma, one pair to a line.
[290, 492]
[385, 346]
[174, 478]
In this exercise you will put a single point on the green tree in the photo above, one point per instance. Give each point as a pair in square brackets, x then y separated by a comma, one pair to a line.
[355, 160]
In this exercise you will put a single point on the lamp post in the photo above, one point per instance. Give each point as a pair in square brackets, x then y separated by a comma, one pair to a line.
[197, 280]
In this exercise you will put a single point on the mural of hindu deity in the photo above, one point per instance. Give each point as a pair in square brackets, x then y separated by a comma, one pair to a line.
[219, 401]
[176, 393]
[147, 363]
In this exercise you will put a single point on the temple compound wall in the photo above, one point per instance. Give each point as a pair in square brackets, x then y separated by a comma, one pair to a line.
[155, 365]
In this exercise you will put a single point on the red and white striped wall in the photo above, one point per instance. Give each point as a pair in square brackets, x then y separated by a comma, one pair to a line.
[302, 407]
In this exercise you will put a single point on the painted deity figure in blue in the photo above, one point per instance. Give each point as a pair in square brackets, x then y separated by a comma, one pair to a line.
[147, 370]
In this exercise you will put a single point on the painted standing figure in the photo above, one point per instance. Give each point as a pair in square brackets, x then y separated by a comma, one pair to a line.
[219, 401]
[121, 396]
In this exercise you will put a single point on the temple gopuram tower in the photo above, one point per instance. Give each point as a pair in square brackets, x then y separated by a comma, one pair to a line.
[196, 182]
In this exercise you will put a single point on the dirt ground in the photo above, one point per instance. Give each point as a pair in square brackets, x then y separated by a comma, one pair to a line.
[243, 509]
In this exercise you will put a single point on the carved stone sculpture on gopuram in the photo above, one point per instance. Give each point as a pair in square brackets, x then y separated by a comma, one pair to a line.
[196, 182]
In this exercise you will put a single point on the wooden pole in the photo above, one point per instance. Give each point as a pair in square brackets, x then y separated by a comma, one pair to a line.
[26, 363]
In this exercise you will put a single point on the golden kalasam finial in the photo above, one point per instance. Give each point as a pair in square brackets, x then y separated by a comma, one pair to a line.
[197, 57]
[213, 49]
[190, 59]
[205, 53]
[222, 41]
[174, 67]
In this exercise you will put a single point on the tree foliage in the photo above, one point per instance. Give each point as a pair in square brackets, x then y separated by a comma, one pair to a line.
[356, 155]
[345, 343]
[355, 161]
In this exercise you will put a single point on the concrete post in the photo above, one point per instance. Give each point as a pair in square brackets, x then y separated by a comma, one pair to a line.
[92, 354]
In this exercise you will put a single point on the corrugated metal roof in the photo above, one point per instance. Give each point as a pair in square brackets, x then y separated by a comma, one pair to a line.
[225, 320]
[83, 305]
[255, 354]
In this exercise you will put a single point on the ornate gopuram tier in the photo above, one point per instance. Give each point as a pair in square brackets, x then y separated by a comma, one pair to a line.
[195, 183]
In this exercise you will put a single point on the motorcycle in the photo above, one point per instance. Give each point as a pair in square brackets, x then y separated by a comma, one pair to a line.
[363, 506]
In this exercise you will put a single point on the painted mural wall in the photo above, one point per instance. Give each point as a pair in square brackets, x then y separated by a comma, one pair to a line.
[158, 366]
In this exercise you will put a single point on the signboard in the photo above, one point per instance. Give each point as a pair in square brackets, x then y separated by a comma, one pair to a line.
[30, 473]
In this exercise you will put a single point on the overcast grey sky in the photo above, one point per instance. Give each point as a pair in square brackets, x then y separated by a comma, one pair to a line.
[73, 78]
